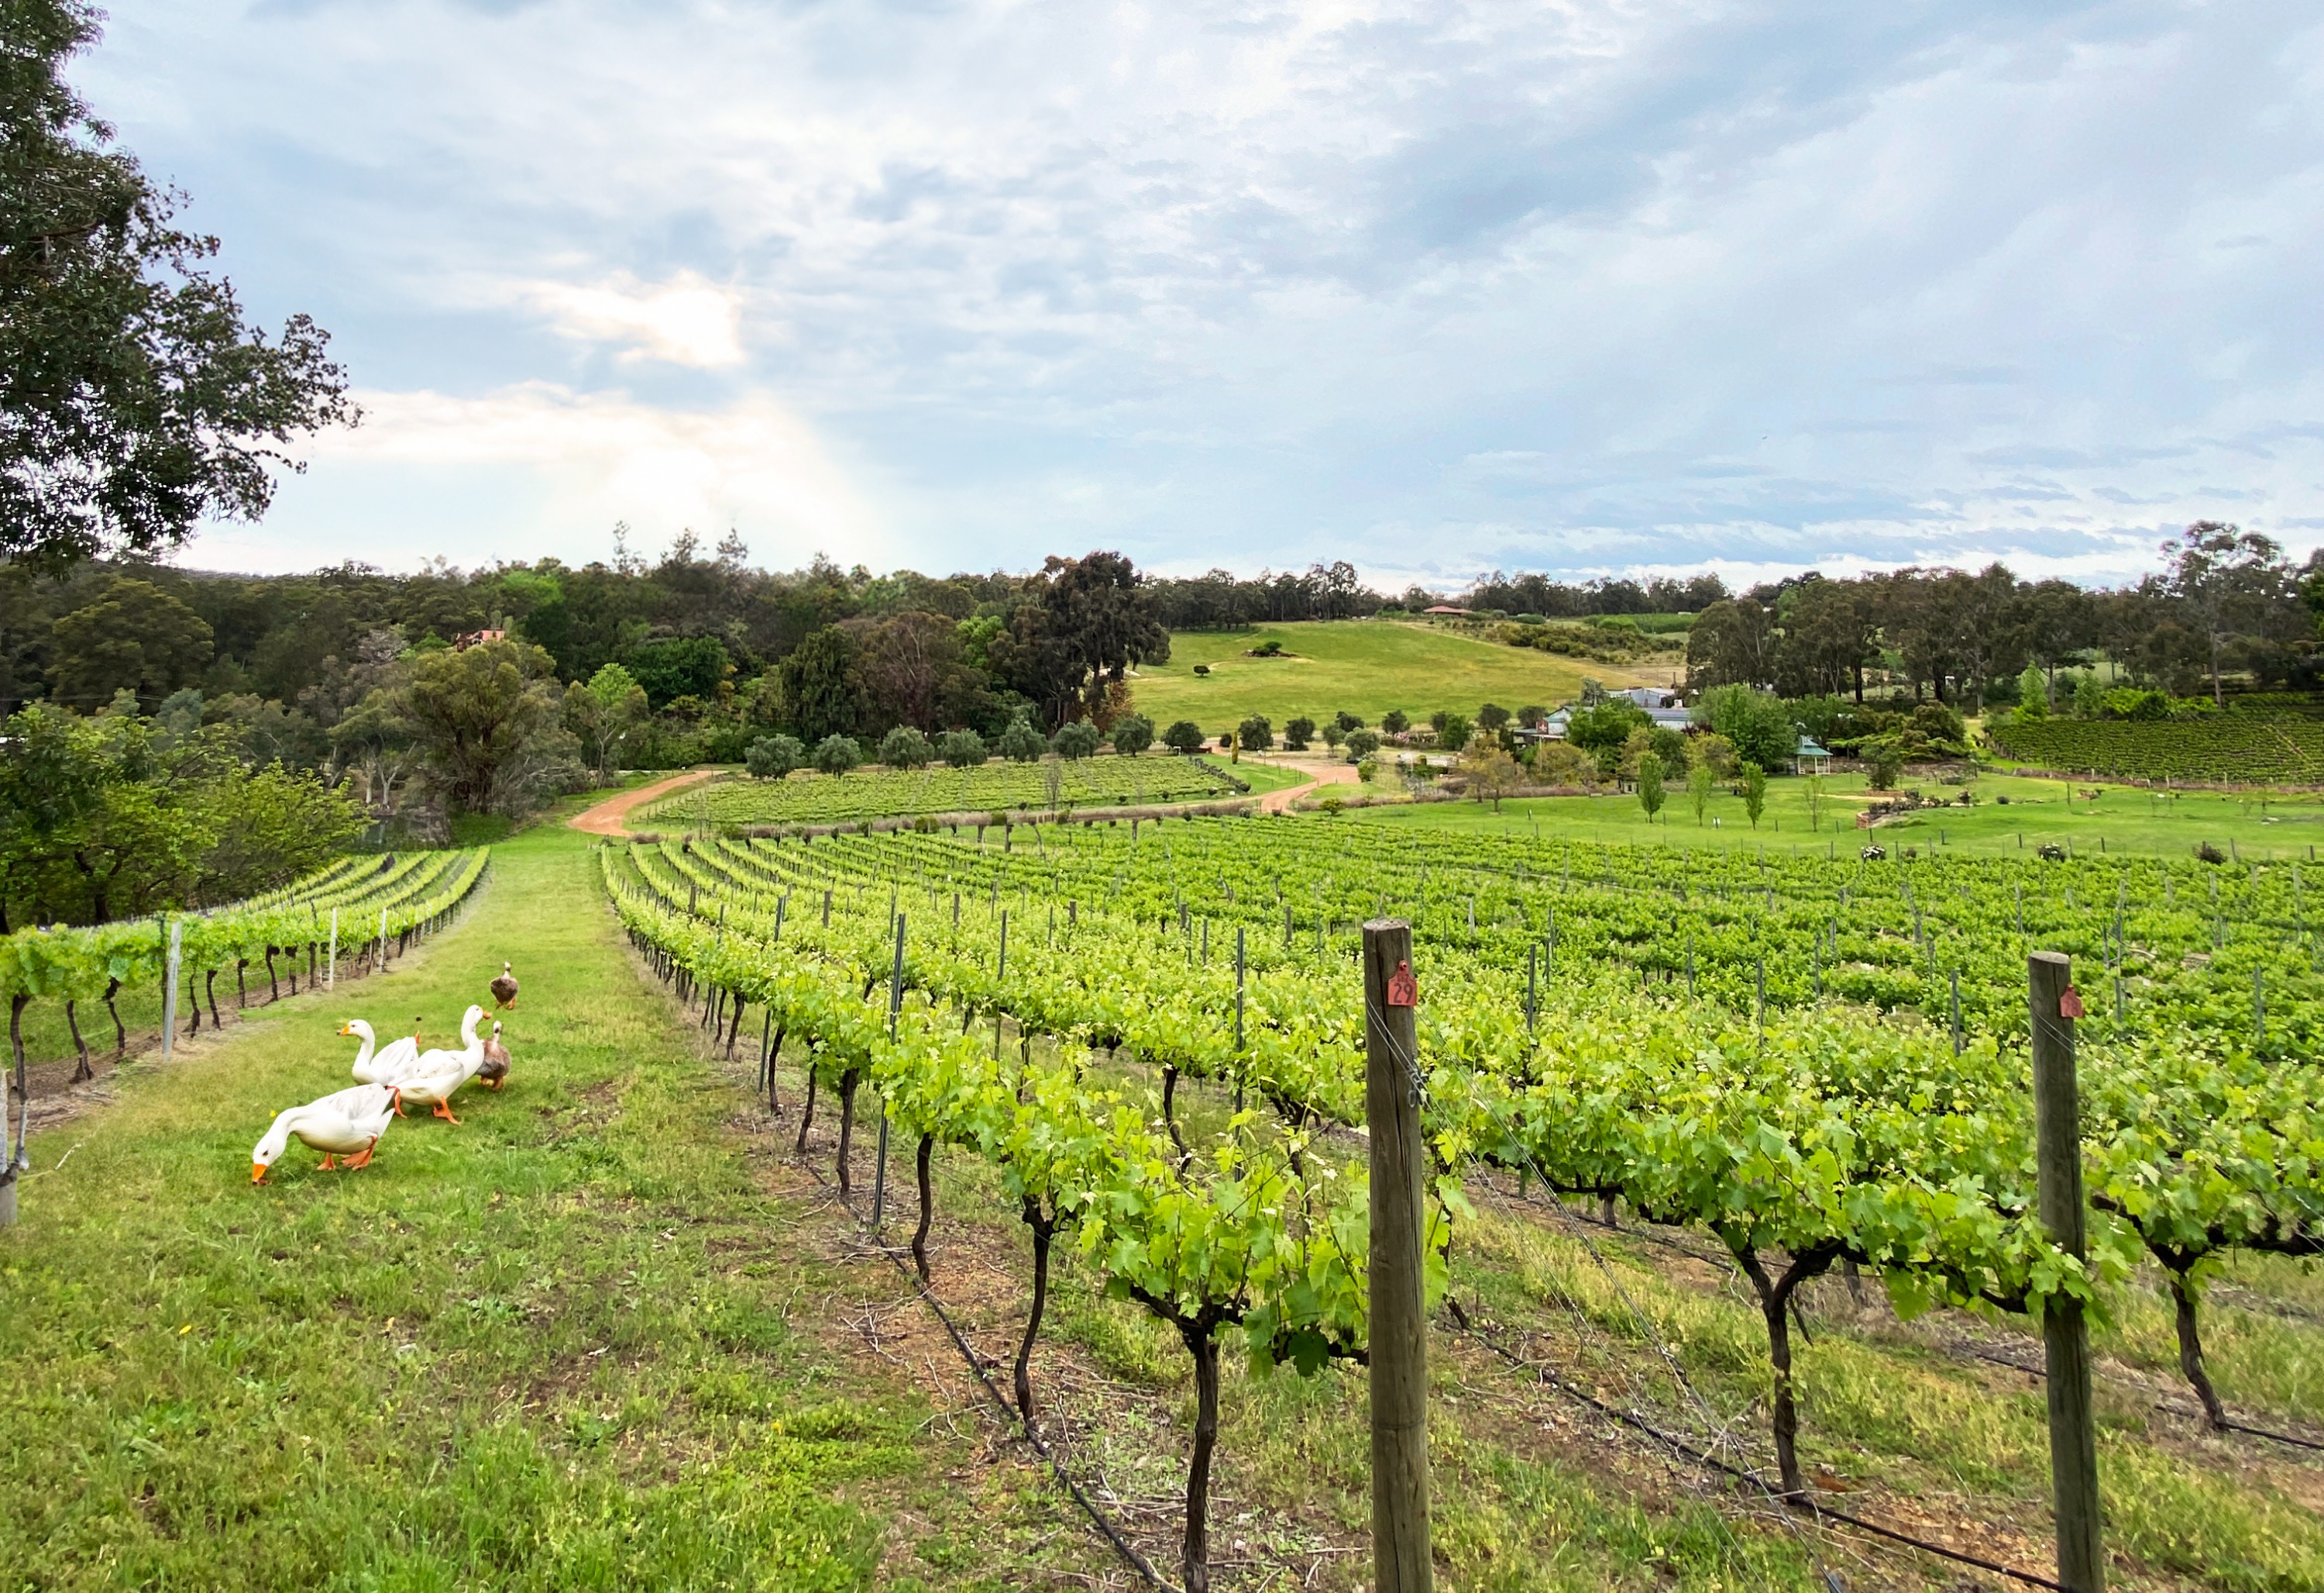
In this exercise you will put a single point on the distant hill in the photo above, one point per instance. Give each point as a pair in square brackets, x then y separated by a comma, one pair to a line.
[1365, 666]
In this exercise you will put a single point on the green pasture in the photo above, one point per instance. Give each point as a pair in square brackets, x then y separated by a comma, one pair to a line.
[1366, 667]
[570, 1343]
[2122, 819]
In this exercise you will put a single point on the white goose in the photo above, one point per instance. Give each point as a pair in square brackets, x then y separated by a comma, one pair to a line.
[390, 1065]
[437, 1075]
[346, 1123]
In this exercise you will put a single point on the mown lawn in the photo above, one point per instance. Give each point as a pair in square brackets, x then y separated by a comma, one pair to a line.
[1365, 666]
[565, 1344]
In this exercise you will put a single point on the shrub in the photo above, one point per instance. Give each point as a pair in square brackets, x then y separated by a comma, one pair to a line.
[1201, 668]
[905, 748]
[1255, 734]
[1758, 724]
[1556, 763]
[1332, 735]
[1297, 733]
[1186, 736]
[1133, 735]
[1604, 729]
[1492, 774]
[1368, 771]
[963, 749]
[1020, 743]
[1454, 734]
[836, 754]
[1076, 738]
[1347, 721]
[1396, 722]
[771, 758]
[1362, 743]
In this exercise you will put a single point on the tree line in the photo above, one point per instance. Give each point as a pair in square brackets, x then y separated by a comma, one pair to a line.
[2227, 603]
[1219, 599]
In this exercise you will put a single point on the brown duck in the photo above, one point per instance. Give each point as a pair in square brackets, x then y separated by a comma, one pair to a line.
[504, 988]
[493, 1073]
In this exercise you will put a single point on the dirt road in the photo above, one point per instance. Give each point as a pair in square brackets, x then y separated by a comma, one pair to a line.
[606, 817]
[1320, 775]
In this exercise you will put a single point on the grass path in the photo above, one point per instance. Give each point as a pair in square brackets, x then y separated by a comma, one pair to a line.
[563, 1344]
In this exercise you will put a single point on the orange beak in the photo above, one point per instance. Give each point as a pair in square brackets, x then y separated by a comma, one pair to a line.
[344, 1030]
[258, 1172]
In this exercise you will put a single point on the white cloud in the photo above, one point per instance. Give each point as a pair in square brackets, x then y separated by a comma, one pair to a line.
[1417, 282]
[594, 457]
[686, 321]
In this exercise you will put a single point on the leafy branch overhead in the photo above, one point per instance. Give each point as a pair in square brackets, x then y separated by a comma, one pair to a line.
[134, 400]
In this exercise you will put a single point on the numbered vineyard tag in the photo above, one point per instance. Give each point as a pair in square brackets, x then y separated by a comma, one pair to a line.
[1403, 989]
[2069, 1004]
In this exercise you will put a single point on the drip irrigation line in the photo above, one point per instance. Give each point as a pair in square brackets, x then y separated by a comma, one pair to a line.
[1680, 1446]
[2282, 1437]
[1982, 1354]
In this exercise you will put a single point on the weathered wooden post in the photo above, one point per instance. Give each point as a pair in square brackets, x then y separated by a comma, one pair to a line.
[331, 979]
[1399, 1346]
[169, 985]
[895, 1008]
[2065, 1335]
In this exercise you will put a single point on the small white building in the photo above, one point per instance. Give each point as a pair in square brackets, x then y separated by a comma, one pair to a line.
[1663, 706]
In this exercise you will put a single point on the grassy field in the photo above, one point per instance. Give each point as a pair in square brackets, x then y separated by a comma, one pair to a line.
[607, 1334]
[563, 1345]
[1366, 667]
[2122, 819]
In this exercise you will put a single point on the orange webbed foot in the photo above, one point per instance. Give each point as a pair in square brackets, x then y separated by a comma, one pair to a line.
[362, 1158]
[329, 1164]
[443, 1110]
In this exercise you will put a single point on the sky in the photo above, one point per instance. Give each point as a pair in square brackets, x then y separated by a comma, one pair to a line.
[1436, 289]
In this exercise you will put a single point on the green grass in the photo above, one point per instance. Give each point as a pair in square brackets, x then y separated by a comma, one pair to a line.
[876, 792]
[563, 1345]
[2124, 819]
[1366, 667]
[1263, 776]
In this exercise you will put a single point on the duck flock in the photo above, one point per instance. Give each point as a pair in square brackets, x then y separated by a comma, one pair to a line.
[347, 1125]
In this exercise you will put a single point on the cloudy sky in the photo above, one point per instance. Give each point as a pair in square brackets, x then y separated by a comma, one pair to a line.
[1435, 288]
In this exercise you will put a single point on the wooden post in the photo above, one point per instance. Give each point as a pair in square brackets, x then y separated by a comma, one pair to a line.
[331, 979]
[1239, 994]
[1399, 1365]
[2065, 1335]
[895, 1007]
[170, 985]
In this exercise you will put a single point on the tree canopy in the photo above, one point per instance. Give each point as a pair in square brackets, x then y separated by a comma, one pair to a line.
[135, 401]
